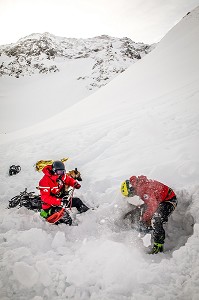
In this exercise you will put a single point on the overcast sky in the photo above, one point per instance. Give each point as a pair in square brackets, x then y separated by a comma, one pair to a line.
[141, 20]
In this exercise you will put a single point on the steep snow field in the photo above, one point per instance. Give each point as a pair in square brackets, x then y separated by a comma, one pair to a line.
[146, 121]
[83, 66]
[29, 100]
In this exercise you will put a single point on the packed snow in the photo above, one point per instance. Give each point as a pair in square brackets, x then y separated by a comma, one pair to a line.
[146, 121]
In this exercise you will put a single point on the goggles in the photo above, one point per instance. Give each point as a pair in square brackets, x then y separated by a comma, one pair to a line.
[60, 172]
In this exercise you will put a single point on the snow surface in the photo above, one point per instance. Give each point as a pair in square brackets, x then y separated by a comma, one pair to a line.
[146, 121]
[82, 66]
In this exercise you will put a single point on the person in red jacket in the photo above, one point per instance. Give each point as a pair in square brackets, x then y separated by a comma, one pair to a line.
[159, 202]
[53, 189]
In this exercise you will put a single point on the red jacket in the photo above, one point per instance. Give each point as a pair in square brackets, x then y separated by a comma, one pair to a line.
[49, 187]
[152, 193]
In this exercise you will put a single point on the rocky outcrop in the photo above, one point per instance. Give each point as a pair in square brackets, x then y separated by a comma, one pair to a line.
[40, 54]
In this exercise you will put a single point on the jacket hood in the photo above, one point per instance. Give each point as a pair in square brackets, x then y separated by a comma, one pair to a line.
[47, 170]
[137, 181]
[133, 181]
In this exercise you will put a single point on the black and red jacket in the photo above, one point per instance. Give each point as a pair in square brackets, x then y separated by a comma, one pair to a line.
[152, 192]
[50, 187]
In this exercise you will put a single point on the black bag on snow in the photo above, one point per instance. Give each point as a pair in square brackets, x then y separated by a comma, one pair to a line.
[14, 170]
[28, 200]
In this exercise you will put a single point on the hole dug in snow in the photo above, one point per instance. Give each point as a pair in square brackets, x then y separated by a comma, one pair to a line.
[178, 228]
[180, 225]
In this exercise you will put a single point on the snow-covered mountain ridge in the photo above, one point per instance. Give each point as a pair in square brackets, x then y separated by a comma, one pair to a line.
[43, 53]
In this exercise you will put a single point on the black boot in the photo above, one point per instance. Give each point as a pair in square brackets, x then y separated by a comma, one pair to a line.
[156, 248]
[66, 219]
[83, 208]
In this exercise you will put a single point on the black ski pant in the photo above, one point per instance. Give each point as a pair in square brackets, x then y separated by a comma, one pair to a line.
[76, 202]
[160, 217]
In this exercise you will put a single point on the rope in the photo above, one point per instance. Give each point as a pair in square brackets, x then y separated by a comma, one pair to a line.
[70, 201]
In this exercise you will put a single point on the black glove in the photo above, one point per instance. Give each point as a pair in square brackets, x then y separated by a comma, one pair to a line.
[77, 185]
[144, 227]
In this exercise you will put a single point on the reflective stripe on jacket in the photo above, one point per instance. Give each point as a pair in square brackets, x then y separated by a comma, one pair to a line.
[50, 188]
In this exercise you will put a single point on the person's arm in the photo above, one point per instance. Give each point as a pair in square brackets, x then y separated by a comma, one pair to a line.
[151, 207]
[71, 182]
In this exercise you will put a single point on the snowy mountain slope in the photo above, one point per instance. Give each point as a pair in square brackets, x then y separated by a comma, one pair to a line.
[30, 100]
[42, 53]
[74, 68]
[143, 122]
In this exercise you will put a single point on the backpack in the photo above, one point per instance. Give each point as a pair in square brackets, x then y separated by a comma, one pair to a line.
[14, 170]
[42, 163]
[26, 199]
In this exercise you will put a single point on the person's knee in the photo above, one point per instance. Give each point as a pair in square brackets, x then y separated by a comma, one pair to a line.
[156, 221]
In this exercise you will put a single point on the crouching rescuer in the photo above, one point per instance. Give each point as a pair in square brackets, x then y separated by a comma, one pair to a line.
[54, 194]
[159, 202]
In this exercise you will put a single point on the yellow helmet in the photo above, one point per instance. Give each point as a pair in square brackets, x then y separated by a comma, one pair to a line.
[127, 189]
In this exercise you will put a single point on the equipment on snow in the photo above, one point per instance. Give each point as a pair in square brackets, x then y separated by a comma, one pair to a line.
[42, 163]
[26, 199]
[55, 215]
[14, 170]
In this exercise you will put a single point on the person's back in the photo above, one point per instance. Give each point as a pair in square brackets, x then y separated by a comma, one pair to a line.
[148, 187]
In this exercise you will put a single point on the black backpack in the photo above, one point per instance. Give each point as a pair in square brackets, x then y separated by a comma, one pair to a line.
[14, 170]
[28, 200]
